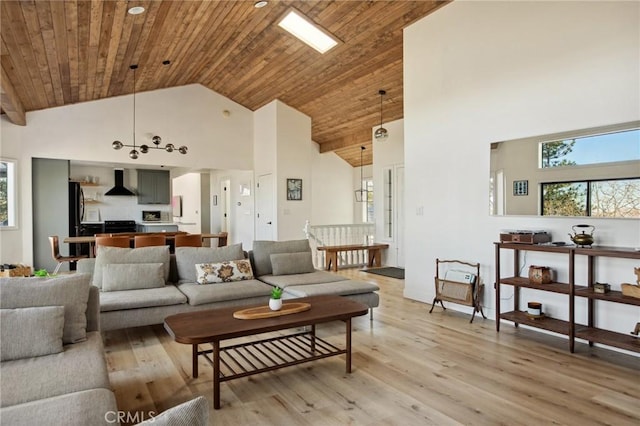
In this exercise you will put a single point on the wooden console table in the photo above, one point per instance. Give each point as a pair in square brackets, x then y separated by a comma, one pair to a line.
[374, 254]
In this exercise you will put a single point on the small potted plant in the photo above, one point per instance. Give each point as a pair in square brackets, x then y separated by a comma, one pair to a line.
[275, 303]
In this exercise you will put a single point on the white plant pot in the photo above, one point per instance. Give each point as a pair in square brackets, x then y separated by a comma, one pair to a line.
[275, 304]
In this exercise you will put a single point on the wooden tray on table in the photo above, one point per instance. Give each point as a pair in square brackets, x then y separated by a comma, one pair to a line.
[266, 312]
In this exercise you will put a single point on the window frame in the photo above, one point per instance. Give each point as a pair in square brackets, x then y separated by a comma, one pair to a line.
[12, 194]
[588, 196]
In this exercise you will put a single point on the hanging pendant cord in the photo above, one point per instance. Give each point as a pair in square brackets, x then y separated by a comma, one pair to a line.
[134, 108]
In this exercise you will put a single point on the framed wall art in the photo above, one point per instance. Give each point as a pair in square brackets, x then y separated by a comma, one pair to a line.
[294, 189]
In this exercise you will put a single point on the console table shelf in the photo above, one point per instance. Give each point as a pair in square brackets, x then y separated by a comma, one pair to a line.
[545, 323]
[552, 287]
[571, 327]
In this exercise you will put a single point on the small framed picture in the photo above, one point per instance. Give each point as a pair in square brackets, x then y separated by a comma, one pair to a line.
[294, 189]
[520, 187]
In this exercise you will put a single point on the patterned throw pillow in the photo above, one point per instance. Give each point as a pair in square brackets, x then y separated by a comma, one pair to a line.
[224, 272]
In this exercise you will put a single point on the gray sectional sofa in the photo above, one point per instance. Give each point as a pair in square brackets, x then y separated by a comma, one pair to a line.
[143, 286]
[53, 368]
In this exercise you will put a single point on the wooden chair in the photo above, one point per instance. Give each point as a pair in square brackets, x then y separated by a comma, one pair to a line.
[112, 242]
[149, 240]
[55, 252]
[222, 239]
[188, 240]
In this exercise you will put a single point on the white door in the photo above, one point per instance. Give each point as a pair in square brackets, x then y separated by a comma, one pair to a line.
[400, 216]
[265, 229]
[225, 208]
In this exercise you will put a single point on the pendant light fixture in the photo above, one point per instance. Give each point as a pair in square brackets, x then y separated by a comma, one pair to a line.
[381, 133]
[134, 153]
[362, 193]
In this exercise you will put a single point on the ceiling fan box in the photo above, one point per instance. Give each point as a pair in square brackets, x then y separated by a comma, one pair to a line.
[526, 238]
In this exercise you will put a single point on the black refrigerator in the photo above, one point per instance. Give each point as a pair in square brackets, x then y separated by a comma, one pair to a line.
[76, 212]
[76, 227]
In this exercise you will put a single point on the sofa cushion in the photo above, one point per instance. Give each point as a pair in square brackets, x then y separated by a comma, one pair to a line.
[81, 366]
[89, 407]
[262, 251]
[120, 255]
[141, 298]
[70, 291]
[28, 332]
[132, 276]
[201, 294]
[223, 272]
[188, 257]
[190, 413]
[338, 288]
[292, 263]
[316, 277]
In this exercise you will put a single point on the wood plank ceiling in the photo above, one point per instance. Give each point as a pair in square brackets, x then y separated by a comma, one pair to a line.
[56, 53]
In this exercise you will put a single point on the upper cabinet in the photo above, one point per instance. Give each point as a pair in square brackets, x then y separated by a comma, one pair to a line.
[154, 187]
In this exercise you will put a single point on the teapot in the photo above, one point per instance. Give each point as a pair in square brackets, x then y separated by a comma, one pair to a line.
[582, 239]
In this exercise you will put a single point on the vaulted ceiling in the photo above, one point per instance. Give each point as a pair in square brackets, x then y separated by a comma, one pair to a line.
[56, 53]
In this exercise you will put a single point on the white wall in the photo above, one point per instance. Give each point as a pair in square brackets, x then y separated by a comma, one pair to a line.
[242, 208]
[480, 72]
[190, 115]
[283, 148]
[188, 186]
[389, 154]
[331, 196]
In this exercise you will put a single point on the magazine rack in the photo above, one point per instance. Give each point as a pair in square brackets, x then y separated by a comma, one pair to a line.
[462, 293]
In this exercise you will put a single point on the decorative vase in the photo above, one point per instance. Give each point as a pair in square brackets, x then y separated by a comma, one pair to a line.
[275, 304]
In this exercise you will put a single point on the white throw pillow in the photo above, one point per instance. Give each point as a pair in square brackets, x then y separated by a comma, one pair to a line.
[224, 272]
[30, 332]
[132, 276]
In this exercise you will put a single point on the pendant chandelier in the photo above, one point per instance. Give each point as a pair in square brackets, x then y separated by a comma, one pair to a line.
[381, 133]
[134, 153]
[362, 193]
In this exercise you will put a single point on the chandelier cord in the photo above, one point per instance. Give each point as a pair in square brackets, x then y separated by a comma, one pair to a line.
[134, 108]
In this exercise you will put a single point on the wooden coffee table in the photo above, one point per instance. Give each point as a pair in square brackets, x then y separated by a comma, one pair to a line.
[266, 354]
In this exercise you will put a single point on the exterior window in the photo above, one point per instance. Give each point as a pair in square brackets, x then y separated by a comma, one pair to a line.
[619, 198]
[8, 205]
[367, 207]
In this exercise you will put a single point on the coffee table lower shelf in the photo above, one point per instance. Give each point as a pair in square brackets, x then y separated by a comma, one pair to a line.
[246, 359]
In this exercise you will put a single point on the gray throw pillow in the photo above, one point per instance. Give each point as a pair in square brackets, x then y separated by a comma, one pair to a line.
[262, 251]
[29, 332]
[120, 255]
[188, 257]
[70, 291]
[292, 263]
[132, 276]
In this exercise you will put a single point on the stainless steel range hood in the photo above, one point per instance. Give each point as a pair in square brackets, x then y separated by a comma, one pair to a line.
[119, 188]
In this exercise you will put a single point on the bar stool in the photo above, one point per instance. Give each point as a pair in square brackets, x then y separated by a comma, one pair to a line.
[55, 252]
[149, 240]
[188, 240]
[123, 242]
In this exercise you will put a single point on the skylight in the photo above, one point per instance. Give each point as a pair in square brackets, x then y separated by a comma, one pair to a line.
[305, 30]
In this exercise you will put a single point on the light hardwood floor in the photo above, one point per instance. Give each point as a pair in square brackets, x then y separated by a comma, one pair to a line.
[409, 368]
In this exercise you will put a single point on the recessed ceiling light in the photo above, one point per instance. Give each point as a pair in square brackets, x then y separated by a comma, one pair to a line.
[305, 30]
[260, 4]
[136, 10]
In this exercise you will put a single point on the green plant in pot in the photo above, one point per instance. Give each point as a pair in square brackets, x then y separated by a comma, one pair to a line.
[275, 303]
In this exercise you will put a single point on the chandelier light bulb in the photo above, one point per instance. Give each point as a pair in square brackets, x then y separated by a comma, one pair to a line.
[144, 149]
[133, 154]
[117, 145]
[156, 140]
[169, 147]
[182, 149]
